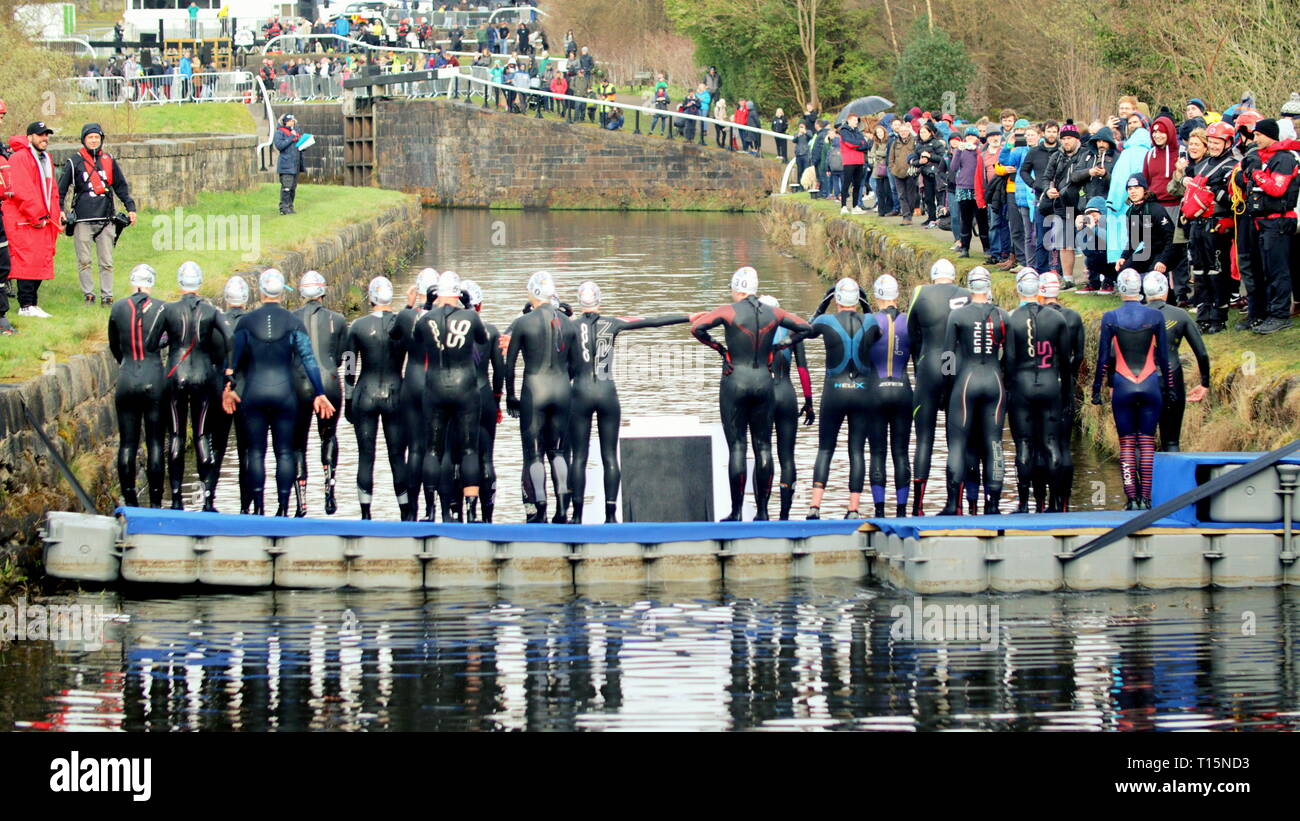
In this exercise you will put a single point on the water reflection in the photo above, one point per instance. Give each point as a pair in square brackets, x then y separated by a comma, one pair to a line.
[773, 657]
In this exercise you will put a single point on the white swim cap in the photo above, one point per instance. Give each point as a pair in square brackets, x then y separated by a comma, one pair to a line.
[847, 292]
[143, 276]
[589, 295]
[380, 291]
[425, 280]
[312, 285]
[885, 288]
[769, 300]
[475, 292]
[448, 284]
[1027, 283]
[979, 281]
[1154, 284]
[541, 286]
[189, 276]
[1129, 283]
[942, 269]
[271, 283]
[745, 281]
[1049, 284]
[236, 292]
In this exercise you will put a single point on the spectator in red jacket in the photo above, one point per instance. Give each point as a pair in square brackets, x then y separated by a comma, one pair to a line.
[32, 216]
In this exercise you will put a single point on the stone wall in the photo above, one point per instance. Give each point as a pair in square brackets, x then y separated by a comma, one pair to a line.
[74, 400]
[324, 160]
[456, 154]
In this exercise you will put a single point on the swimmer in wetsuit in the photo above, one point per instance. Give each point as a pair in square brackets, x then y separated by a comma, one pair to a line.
[545, 338]
[1178, 326]
[196, 352]
[591, 364]
[141, 387]
[746, 393]
[889, 397]
[328, 332]
[269, 345]
[236, 296]
[373, 384]
[447, 334]
[419, 298]
[489, 390]
[927, 320]
[785, 411]
[977, 408]
[1037, 357]
[1049, 289]
[1133, 355]
[848, 336]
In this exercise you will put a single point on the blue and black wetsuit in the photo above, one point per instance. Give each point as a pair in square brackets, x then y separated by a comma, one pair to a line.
[889, 404]
[447, 335]
[140, 394]
[373, 375]
[1133, 355]
[328, 332]
[269, 347]
[977, 409]
[222, 422]
[848, 337]
[1038, 357]
[785, 412]
[411, 400]
[927, 320]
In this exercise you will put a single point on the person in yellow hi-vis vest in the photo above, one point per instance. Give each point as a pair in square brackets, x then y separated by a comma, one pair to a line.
[223, 15]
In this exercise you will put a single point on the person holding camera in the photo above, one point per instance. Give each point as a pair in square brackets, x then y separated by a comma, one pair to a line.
[94, 178]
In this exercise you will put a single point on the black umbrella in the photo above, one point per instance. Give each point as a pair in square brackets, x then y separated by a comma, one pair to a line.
[864, 107]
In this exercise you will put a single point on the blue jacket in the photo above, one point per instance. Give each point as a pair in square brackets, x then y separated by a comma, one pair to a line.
[290, 161]
[342, 26]
[1013, 156]
[1129, 162]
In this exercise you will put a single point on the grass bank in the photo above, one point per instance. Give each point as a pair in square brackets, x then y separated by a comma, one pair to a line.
[191, 118]
[261, 235]
[1254, 403]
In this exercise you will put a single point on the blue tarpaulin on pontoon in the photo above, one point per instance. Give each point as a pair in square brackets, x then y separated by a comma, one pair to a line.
[1175, 474]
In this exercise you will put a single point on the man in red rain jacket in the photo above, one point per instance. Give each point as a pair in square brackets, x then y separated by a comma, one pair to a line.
[32, 216]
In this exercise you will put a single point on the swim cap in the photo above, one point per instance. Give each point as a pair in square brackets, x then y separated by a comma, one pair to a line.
[1027, 283]
[745, 281]
[380, 291]
[143, 276]
[312, 285]
[847, 292]
[885, 288]
[1049, 284]
[1128, 283]
[189, 276]
[942, 269]
[448, 284]
[236, 292]
[425, 280]
[541, 286]
[1154, 284]
[769, 300]
[589, 295]
[472, 288]
[271, 283]
[979, 281]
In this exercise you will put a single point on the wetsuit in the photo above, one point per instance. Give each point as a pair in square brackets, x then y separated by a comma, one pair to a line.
[591, 364]
[1069, 410]
[328, 332]
[1179, 326]
[269, 347]
[411, 400]
[222, 421]
[927, 320]
[374, 384]
[976, 334]
[1133, 352]
[545, 339]
[1038, 356]
[196, 356]
[785, 412]
[140, 393]
[447, 334]
[889, 408]
[848, 337]
[489, 411]
[746, 392]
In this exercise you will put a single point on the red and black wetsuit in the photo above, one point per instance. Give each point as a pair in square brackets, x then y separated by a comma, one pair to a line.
[141, 389]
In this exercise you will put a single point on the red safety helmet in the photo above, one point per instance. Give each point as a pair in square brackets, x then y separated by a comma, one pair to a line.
[1220, 129]
[1246, 119]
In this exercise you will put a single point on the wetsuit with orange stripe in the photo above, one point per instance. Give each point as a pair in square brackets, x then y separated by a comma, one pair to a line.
[1039, 356]
[976, 335]
[1133, 352]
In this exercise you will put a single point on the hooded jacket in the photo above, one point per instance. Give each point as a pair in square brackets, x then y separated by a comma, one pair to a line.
[853, 145]
[1128, 163]
[1158, 166]
[1033, 169]
[31, 213]
[1278, 181]
[1094, 156]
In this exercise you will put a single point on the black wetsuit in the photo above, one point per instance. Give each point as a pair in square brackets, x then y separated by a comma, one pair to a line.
[328, 332]
[447, 335]
[889, 403]
[269, 348]
[373, 372]
[141, 390]
[976, 335]
[785, 413]
[1070, 396]
[489, 408]
[746, 392]
[545, 338]
[1038, 355]
[1179, 326]
[592, 368]
[222, 421]
[927, 321]
[411, 401]
[848, 337]
[196, 356]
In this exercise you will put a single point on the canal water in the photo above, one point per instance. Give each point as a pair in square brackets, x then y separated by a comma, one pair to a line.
[647, 264]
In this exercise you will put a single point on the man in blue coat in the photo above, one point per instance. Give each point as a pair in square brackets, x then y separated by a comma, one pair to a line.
[290, 164]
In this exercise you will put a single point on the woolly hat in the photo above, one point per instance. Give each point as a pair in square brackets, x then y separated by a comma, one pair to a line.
[1291, 108]
[1199, 103]
[1136, 181]
[1021, 123]
[1268, 127]
[1097, 204]
[1070, 130]
[972, 131]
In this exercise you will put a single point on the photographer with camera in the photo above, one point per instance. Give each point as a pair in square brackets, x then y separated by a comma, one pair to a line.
[92, 222]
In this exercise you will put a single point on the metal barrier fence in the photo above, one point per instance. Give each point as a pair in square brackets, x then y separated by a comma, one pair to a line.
[212, 87]
[307, 87]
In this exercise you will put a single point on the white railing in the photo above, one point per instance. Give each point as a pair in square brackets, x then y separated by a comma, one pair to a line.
[305, 87]
[505, 9]
[76, 41]
[358, 44]
[207, 87]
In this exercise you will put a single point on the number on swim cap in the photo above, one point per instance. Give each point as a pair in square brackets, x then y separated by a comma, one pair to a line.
[745, 281]
[885, 288]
